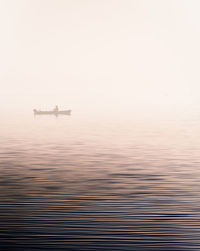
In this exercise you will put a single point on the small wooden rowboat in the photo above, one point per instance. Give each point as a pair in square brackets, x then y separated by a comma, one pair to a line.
[54, 112]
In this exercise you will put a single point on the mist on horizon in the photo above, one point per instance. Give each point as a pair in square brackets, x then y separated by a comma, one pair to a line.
[100, 56]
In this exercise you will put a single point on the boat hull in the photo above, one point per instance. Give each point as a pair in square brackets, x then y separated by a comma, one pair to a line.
[56, 113]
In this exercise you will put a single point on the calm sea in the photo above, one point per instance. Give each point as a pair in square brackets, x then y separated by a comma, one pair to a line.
[77, 183]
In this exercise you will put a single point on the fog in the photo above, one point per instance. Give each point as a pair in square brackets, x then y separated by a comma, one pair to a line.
[107, 56]
[121, 173]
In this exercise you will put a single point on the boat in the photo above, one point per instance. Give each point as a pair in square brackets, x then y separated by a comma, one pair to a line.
[55, 112]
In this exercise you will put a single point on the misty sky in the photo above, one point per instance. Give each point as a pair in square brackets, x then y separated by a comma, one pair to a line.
[100, 54]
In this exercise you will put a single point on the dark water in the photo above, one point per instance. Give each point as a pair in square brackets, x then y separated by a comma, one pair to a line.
[69, 183]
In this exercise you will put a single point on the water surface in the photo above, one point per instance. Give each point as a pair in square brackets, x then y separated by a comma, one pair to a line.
[73, 183]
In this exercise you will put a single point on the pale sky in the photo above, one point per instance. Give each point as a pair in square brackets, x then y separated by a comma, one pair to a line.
[100, 54]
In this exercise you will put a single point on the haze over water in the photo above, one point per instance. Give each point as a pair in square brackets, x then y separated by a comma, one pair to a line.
[121, 173]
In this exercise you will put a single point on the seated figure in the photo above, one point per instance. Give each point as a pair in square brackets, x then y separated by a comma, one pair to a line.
[56, 109]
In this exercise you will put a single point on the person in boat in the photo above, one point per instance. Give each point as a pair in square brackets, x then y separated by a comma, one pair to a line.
[56, 109]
